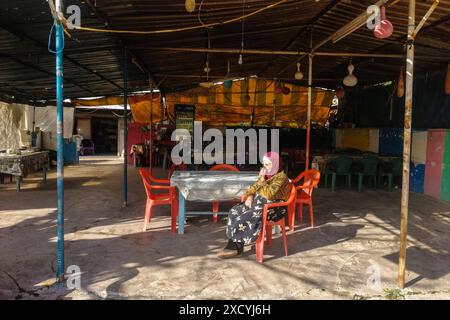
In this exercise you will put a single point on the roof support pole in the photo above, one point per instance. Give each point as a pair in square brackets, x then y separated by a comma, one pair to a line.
[125, 128]
[407, 143]
[308, 115]
[151, 128]
[60, 149]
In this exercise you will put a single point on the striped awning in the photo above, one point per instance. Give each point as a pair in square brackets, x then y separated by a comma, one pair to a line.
[246, 102]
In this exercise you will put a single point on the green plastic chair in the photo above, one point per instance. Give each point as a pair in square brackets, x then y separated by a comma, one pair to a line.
[391, 169]
[339, 166]
[369, 168]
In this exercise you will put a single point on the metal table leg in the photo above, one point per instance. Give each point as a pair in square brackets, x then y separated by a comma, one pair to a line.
[181, 212]
[18, 181]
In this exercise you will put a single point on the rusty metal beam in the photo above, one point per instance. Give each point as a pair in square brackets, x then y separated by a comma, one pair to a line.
[277, 52]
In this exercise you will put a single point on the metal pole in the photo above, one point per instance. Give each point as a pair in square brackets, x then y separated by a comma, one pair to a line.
[151, 128]
[406, 143]
[125, 147]
[34, 117]
[60, 149]
[308, 116]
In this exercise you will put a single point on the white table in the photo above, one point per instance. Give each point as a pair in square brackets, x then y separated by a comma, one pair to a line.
[209, 186]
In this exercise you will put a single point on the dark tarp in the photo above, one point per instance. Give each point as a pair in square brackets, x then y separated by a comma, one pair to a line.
[378, 106]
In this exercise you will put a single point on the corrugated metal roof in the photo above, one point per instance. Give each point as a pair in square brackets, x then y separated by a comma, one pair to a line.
[93, 61]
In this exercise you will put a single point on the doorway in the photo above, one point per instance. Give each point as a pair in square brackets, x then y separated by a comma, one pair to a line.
[104, 134]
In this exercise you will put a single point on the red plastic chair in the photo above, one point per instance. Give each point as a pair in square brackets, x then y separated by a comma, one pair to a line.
[153, 199]
[221, 167]
[304, 195]
[268, 225]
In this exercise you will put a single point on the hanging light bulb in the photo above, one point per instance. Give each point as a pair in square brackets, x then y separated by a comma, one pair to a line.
[298, 75]
[207, 83]
[240, 61]
[207, 69]
[350, 80]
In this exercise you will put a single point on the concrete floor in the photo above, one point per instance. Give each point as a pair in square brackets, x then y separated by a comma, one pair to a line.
[355, 242]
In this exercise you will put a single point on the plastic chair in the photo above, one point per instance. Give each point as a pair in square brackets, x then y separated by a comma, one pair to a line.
[220, 167]
[87, 144]
[310, 179]
[369, 169]
[391, 169]
[169, 197]
[342, 166]
[268, 225]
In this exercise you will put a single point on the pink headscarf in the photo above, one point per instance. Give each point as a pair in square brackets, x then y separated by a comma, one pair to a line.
[277, 164]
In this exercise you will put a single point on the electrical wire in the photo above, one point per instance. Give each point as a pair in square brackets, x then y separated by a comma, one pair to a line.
[50, 39]
[242, 28]
[88, 112]
[199, 16]
[118, 115]
[209, 25]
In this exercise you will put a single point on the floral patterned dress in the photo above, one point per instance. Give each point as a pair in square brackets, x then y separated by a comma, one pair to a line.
[245, 224]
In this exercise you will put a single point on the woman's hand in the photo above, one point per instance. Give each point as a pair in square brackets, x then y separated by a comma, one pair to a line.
[262, 172]
[249, 201]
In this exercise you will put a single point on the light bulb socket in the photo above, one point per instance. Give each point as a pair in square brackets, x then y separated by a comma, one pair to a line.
[240, 61]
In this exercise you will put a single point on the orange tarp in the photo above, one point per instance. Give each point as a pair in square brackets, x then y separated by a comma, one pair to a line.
[250, 101]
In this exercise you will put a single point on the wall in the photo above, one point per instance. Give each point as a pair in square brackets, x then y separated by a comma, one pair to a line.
[374, 140]
[135, 135]
[418, 159]
[445, 186]
[419, 147]
[84, 127]
[391, 141]
[363, 139]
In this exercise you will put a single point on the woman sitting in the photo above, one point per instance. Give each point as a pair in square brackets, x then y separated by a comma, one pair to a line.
[245, 219]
